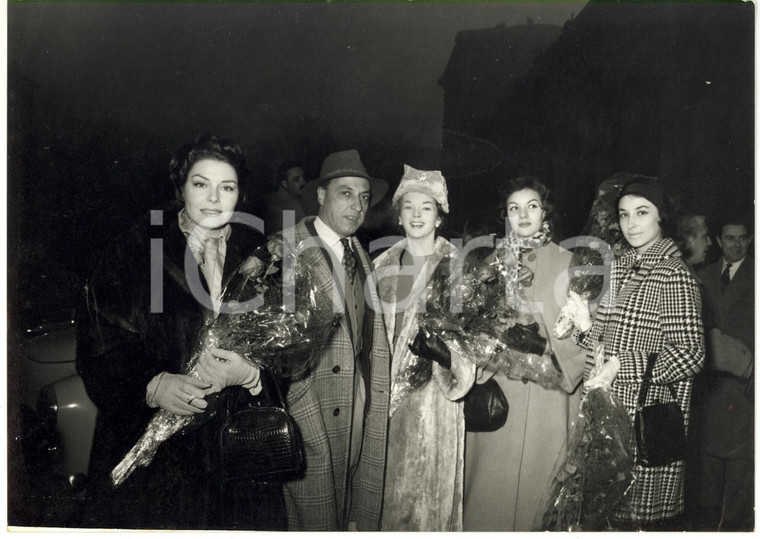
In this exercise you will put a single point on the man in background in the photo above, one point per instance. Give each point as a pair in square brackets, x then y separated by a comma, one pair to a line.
[726, 400]
[291, 181]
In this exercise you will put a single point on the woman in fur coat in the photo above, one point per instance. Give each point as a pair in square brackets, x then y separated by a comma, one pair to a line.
[653, 306]
[508, 471]
[145, 304]
[425, 460]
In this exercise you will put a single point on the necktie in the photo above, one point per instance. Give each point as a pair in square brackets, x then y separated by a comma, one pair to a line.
[349, 260]
[725, 278]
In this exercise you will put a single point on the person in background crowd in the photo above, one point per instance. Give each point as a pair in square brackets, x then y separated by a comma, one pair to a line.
[425, 463]
[508, 471]
[291, 181]
[726, 407]
[653, 305]
[131, 356]
[341, 406]
[693, 239]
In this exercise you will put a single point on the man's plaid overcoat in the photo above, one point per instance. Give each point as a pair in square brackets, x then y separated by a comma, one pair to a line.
[322, 403]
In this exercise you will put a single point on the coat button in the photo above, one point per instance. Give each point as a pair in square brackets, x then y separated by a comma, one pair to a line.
[529, 318]
[336, 412]
[336, 369]
[525, 380]
[532, 257]
[336, 322]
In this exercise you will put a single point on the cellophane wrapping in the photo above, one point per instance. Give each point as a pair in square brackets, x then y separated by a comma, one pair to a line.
[277, 333]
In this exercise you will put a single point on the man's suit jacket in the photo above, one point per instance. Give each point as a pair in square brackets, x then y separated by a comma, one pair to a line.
[727, 426]
[733, 311]
[322, 403]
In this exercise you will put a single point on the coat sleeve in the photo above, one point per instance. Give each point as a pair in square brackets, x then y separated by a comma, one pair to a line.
[456, 382]
[112, 359]
[683, 351]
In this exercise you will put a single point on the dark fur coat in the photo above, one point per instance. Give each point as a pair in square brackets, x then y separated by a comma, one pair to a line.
[121, 346]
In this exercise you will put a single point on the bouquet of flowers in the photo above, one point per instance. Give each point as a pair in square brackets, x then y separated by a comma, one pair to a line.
[261, 325]
[476, 329]
[590, 261]
[591, 480]
[452, 318]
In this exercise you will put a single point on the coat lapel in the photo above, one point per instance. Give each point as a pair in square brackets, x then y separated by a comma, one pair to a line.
[739, 284]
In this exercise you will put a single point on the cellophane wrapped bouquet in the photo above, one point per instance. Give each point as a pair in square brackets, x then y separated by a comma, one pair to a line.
[591, 480]
[475, 324]
[274, 321]
[602, 240]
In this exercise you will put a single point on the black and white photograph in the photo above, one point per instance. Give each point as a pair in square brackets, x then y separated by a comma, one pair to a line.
[380, 266]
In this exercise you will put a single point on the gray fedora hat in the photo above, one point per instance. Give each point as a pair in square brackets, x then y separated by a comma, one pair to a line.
[342, 164]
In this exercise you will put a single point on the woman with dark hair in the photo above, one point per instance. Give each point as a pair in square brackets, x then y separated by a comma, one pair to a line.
[149, 297]
[425, 458]
[507, 471]
[653, 306]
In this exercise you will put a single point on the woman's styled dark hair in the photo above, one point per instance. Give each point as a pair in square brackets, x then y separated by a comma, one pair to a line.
[650, 188]
[225, 150]
[525, 182]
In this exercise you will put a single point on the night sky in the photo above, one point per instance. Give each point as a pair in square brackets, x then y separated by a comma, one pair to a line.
[251, 70]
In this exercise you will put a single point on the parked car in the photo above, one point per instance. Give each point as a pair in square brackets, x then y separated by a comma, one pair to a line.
[56, 422]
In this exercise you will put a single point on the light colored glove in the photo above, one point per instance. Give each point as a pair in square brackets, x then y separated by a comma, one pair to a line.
[224, 368]
[605, 375]
[177, 393]
[582, 319]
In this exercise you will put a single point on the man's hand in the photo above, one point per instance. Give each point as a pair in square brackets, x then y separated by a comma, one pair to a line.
[224, 368]
[729, 354]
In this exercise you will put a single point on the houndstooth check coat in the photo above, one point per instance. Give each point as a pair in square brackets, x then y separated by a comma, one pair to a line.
[653, 305]
[328, 497]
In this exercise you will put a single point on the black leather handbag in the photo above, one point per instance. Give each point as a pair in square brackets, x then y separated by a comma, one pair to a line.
[261, 443]
[485, 407]
[660, 436]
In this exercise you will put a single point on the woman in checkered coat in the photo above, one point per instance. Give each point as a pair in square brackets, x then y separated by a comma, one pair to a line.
[653, 305]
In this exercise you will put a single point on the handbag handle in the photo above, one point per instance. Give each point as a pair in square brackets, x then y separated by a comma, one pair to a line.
[276, 384]
[647, 381]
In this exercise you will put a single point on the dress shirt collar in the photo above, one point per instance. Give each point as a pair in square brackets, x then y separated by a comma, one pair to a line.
[330, 237]
[734, 266]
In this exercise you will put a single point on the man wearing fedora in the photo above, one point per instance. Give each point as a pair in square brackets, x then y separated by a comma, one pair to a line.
[341, 406]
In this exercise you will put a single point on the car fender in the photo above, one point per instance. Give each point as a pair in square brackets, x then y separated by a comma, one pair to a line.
[75, 423]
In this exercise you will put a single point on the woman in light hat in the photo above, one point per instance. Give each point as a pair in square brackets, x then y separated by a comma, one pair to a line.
[425, 460]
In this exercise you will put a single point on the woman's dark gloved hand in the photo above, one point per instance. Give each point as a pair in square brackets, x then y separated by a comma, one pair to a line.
[432, 348]
[525, 339]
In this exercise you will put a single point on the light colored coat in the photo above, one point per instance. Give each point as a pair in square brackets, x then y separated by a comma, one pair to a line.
[507, 472]
[322, 404]
[425, 470]
[652, 306]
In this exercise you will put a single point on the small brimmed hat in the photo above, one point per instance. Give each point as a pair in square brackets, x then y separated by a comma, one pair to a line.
[342, 164]
[430, 182]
